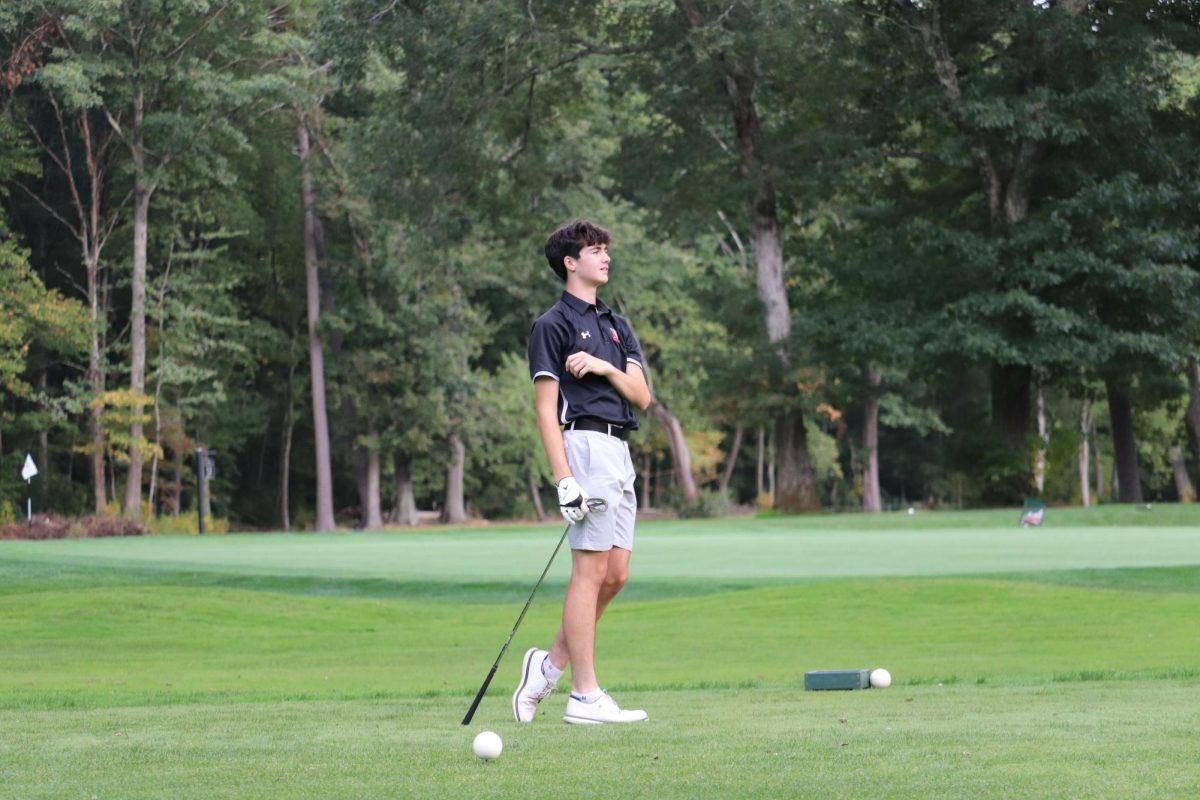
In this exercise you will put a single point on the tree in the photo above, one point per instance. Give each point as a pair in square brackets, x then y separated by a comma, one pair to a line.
[314, 247]
[77, 150]
[177, 83]
[795, 488]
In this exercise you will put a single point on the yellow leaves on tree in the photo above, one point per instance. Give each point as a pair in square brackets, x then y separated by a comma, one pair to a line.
[119, 408]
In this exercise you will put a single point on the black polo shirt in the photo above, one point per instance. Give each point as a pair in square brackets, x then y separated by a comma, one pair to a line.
[572, 325]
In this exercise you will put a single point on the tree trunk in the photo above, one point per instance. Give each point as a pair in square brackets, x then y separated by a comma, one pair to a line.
[794, 486]
[175, 505]
[205, 504]
[681, 456]
[647, 484]
[536, 496]
[872, 497]
[1099, 466]
[1085, 476]
[43, 439]
[360, 481]
[1192, 417]
[731, 459]
[760, 481]
[455, 510]
[96, 385]
[324, 520]
[92, 240]
[1010, 404]
[285, 471]
[771, 451]
[1183, 484]
[142, 192]
[1124, 444]
[372, 514]
[151, 495]
[1039, 467]
[405, 512]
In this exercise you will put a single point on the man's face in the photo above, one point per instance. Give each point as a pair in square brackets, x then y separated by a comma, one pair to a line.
[592, 265]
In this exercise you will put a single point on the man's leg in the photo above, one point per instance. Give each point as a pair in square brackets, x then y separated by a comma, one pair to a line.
[577, 636]
[615, 576]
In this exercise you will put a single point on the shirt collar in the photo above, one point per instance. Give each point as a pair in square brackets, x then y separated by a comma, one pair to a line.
[581, 307]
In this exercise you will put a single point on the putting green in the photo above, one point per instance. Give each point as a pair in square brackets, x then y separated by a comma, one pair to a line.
[773, 549]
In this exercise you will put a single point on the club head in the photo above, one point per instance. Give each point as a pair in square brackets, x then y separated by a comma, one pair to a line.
[597, 504]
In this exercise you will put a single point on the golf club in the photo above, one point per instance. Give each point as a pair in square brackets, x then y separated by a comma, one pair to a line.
[594, 504]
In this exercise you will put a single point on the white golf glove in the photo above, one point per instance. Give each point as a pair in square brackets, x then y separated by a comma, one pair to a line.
[572, 500]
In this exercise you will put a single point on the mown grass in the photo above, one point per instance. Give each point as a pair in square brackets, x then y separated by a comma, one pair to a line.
[1111, 740]
[108, 646]
[339, 666]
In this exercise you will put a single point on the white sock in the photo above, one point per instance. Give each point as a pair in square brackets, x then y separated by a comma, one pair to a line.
[590, 697]
[549, 671]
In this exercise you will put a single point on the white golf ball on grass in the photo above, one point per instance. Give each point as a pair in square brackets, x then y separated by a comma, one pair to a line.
[880, 678]
[487, 746]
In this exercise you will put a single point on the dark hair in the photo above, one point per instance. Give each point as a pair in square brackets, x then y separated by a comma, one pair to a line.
[569, 240]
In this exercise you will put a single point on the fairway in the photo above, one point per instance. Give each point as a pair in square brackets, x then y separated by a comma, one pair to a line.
[1049, 662]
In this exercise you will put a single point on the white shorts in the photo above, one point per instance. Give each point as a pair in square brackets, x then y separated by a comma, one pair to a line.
[603, 467]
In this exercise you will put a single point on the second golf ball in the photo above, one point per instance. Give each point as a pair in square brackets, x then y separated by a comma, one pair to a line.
[880, 678]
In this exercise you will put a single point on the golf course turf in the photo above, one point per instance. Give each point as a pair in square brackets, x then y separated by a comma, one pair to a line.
[1061, 661]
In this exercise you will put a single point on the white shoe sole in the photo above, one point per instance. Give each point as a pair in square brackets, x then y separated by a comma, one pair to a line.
[524, 682]
[587, 721]
[582, 721]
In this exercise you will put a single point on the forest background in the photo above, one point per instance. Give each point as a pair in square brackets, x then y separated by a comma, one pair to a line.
[877, 252]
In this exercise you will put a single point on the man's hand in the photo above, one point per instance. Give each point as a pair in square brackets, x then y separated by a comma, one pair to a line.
[572, 500]
[581, 363]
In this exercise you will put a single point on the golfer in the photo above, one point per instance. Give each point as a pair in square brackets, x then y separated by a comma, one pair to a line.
[586, 366]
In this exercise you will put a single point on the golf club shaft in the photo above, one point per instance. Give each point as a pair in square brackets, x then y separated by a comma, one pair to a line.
[491, 673]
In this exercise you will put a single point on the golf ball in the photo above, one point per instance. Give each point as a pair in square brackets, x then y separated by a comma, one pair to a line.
[880, 679]
[912, 510]
[487, 746]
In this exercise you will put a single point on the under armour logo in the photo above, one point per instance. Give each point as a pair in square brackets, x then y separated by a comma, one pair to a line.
[585, 334]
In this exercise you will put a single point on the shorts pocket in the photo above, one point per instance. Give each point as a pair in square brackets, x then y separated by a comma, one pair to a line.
[579, 455]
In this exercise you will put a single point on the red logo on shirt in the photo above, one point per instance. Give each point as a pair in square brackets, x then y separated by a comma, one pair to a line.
[615, 338]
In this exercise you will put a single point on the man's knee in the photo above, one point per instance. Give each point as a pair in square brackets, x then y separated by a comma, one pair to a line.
[615, 578]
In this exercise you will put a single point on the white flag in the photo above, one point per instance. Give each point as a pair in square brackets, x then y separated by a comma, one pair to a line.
[30, 469]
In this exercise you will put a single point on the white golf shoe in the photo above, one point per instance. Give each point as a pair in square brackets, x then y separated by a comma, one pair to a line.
[604, 710]
[533, 688]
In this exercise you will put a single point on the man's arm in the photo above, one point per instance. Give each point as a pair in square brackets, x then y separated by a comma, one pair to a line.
[630, 384]
[546, 404]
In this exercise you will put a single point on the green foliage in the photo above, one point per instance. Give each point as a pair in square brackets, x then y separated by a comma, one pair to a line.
[187, 524]
[449, 139]
[709, 503]
[30, 313]
[505, 444]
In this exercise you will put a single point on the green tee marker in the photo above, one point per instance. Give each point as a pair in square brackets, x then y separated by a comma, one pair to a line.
[820, 680]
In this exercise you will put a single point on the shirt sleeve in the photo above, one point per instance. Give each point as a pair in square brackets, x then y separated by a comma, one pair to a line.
[545, 349]
[633, 348]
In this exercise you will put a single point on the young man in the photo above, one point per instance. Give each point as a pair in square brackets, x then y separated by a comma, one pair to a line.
[586, 366]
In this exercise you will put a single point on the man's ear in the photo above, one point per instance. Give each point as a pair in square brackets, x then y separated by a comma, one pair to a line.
[569, 263]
